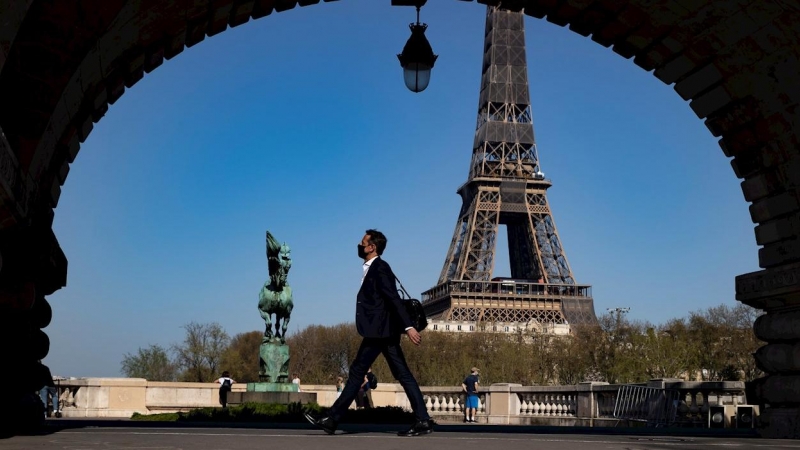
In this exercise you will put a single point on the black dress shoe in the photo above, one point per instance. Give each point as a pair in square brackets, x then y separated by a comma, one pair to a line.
[326, 423]
[421, 427]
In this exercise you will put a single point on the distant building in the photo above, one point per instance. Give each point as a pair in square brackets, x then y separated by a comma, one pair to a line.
[455, 326]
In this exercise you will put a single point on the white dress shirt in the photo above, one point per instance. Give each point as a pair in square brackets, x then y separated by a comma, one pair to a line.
[366, 269]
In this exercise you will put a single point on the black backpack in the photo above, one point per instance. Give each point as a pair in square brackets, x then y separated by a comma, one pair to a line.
[226, 385]
[373, 381]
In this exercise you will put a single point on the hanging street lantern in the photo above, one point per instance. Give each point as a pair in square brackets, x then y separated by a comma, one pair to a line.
[417, 58]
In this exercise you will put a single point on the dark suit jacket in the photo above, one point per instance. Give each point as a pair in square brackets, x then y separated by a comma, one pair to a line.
[379, 309]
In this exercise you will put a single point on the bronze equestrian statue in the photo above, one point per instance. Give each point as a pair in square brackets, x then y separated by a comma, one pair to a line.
[276, 295]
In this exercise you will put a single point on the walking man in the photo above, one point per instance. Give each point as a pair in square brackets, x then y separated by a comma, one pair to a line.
[381, 320]
[470, 386]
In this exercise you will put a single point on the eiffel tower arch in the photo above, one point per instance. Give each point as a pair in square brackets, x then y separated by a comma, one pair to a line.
[506, 186]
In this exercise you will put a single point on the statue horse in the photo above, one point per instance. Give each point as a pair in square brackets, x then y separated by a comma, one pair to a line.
[276, 294]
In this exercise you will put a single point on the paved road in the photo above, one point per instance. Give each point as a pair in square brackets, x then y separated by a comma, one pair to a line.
[361, 437]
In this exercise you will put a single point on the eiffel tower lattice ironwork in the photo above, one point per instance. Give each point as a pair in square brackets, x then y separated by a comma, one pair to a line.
[507, 187]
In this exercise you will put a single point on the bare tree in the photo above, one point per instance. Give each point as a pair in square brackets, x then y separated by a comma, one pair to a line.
[200, 354]
[668, 351]
[726, 342]
[151, 363]
[241, 356]
[617, 350]
[321, 353]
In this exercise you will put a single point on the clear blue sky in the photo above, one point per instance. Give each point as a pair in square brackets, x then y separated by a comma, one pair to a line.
[299, 123]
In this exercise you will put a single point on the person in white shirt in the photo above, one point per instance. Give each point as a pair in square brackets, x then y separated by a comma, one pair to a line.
[296, 380]
[225, 383]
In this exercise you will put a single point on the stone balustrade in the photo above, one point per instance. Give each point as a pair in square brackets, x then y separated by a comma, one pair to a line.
[584, 404]
[696, 398]
[443, 401]
[121, 397]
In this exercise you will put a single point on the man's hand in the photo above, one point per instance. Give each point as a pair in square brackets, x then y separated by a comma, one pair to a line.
[414, 335]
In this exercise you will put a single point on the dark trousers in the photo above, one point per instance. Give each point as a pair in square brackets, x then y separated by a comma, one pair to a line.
[362, 401]
[223, 396]
[367, 354]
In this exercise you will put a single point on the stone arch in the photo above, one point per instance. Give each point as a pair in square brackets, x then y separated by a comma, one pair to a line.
[737, 62]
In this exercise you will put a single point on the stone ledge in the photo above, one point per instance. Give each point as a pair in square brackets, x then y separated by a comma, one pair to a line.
[771, 288]
[235, 398]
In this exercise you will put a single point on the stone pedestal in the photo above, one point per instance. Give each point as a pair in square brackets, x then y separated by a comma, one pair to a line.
[283, 393]
[503, 404]
[284, 398]
[273, 359]
[272, 387]
[776, 291]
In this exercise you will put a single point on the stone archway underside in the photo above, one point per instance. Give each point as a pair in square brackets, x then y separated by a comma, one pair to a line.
[736, 61]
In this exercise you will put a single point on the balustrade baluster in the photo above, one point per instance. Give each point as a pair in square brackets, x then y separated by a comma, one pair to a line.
[537, 407]
[694, 409]
[683, 408]
[705, 407]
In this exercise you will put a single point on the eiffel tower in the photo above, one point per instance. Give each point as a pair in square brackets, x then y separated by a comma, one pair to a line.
[507, 187]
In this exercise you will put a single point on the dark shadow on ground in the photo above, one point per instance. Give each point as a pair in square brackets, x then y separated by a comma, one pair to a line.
[55, 425]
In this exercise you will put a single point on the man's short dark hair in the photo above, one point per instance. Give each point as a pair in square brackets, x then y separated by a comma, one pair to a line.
[378, 239]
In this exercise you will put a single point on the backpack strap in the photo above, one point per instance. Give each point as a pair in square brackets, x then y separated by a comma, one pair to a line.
[402, 290]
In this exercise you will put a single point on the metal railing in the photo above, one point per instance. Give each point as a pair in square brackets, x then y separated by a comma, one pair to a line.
[505, 288]
[655, 406]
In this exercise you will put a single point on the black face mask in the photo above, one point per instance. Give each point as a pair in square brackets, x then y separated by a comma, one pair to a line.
[361, 253]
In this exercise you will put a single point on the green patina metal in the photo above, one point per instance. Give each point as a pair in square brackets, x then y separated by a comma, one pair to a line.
[275, 298]
[276, 295]
[273, 359]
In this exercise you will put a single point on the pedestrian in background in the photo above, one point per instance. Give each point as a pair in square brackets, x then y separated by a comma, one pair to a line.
[470, 386]
[339, 386]
[296, 380]
[225, 383]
